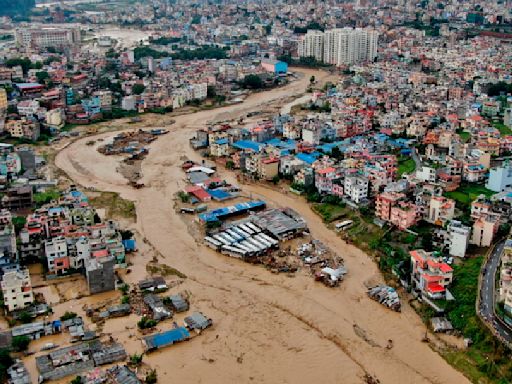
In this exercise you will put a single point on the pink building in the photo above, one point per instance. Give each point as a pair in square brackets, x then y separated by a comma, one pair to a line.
[404, 215]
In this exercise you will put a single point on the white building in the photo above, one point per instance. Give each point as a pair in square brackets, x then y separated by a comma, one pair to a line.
[349, 46]
[55, 118]
[47, 37]
[312, 45]
[426, 174]
[56, 251]
[500, 178]
[28, 107]
[129, 103]
[356, 188]
[17, 289]
[458, 238]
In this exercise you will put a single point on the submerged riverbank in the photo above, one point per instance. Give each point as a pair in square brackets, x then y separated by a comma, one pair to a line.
[268, 328]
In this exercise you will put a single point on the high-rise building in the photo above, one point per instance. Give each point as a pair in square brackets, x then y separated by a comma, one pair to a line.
[47, 37]
[312, 45]
[349, 46]
[340, 46]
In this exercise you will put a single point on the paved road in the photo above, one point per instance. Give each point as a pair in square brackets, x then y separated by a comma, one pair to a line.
[416, 158]
[487, 297]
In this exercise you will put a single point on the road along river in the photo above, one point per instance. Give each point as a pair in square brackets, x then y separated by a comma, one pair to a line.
[267, 328]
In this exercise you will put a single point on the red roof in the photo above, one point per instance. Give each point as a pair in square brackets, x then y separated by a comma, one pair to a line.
[100, 253]
[431, 278]
[326, 170]
[445, 268]
[435, 288]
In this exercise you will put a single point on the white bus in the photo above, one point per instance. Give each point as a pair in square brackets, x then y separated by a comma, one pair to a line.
[344, 225]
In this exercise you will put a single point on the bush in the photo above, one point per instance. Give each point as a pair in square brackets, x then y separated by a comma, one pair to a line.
[68, 316]
[125, 288]
[5, 362]
[125, 300]
[20, 343]
[136, 359]
[145, 323]
[151, 377]
[25, 317]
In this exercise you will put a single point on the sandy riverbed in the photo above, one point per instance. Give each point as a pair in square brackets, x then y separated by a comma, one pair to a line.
[267, 328]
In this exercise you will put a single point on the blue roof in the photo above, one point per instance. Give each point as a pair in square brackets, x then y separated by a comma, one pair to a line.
[221, 141]
[167, 338]
[307, 158]
[216, 214]
[27, 85]
[327, 147]
[248, 144]
[219, 194]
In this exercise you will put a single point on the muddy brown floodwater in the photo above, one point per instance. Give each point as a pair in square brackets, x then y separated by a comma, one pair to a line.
[267, 328]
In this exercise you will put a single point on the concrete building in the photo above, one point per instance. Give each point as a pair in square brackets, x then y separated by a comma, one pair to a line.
[100, 274]
[17, 289]
[274, 66]
[47, 37]
[129, 103]
[458, 238]
[105, 99]
[440, 210]
[500, 178]
[312, 45]
[350, 46]
[56, 251]
[430, 275]
[55, 118]
[3, 100]
[28, 107]
[484, 229]
[356, 188]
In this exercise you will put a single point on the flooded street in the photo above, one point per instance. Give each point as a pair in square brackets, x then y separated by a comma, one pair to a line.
[267, 328]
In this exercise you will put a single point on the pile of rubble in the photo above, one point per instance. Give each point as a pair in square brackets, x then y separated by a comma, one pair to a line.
[386, 296]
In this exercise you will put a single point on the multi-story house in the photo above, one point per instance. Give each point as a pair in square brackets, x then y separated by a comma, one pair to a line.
[484, 229]
[356, 188]
[17, 289]
[441, 210]
[404, 215]
[430, 275]
[56, 251]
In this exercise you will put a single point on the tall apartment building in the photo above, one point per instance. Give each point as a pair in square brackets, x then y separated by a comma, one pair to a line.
[312, 45]
[47, 37]
[340, 46]
[349, 46]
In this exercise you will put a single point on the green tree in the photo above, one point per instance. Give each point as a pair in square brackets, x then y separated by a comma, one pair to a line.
[20, 343]
[151, 377]
[312, 79]
[25, 317]
[68, 315]
[252, 81]
[42, 76]
[138, 89]
[5, 362]
[76, 380]
[19, 222]
[136, 359]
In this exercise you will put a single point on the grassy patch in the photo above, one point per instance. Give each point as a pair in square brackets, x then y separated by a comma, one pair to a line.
[406, 166]
[115, 205]
[467, 193]
[464, 136]
[163, 270]
[504, 130]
